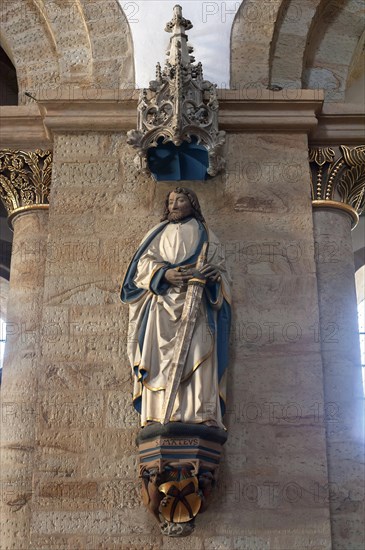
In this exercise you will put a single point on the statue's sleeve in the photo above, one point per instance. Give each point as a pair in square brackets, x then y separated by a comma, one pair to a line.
[151, 269]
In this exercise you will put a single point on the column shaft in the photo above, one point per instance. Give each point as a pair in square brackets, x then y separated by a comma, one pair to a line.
[19, 384]
[342, 376]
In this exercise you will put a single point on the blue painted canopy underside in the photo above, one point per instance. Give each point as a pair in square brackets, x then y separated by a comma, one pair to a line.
[188, 161]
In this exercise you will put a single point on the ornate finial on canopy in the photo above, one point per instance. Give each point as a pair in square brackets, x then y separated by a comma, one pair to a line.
[179, 105]
[179, 50]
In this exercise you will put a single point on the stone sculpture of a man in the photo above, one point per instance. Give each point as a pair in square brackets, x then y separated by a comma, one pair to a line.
[155, 287]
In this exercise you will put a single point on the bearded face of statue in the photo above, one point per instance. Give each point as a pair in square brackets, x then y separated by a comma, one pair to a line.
[179, 207]
[175, 212]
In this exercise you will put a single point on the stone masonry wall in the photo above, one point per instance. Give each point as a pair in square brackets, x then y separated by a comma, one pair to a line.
[272, 489]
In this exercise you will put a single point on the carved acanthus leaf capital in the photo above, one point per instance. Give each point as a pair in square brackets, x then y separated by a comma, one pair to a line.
[338, 176]
[25, 179]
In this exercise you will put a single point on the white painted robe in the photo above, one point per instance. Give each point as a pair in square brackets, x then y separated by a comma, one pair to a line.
[200, 394]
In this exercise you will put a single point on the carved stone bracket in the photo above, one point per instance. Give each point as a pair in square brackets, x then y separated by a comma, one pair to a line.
[25, 180]
[338, 178]
[180, 104]
[179, 468]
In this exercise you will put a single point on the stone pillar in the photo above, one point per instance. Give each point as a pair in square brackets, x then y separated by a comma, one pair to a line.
[272, 483]
[338, 196]
[24, 187]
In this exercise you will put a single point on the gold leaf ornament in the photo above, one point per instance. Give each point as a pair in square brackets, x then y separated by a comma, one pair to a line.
[25, 179]
[321, 155]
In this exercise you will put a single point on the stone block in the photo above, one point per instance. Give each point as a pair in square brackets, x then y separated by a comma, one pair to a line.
[51, 542]
[195, 543]
[115, 467]
[88, 523]
[67, 495]
[120, 413]
[9, 526]
[77, 147]
[252, 542]
[54, 464]
[218, 543]
[88, 376]
[72, 410]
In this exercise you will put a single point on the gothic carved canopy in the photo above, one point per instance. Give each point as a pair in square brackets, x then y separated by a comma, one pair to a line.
[180, 106]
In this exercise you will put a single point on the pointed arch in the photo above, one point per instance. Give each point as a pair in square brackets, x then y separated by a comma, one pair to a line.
[29, 43]
[355, 85]
[290, 41]
[66, 23]
[111, 43]
[332, 41]
[252, 33]
[55, 43]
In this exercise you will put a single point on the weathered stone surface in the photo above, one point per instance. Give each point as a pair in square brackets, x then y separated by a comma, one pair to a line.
[69, 460]
[72, 410]
[275, 402]
[88, 376]
[86, 523]
[119, 413]
[180, 544]
[252, 32]
[117, 466]
[343, 381]
[77, 44]
[322, 70]
[20, 377]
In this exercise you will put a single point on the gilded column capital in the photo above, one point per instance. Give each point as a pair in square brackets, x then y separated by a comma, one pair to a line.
[338, 178]
[25, 180]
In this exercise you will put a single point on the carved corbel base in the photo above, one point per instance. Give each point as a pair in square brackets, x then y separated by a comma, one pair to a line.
[179, 467]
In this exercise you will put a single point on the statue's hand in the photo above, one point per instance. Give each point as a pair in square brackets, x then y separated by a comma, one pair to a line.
[211, 272]
[178, 278]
